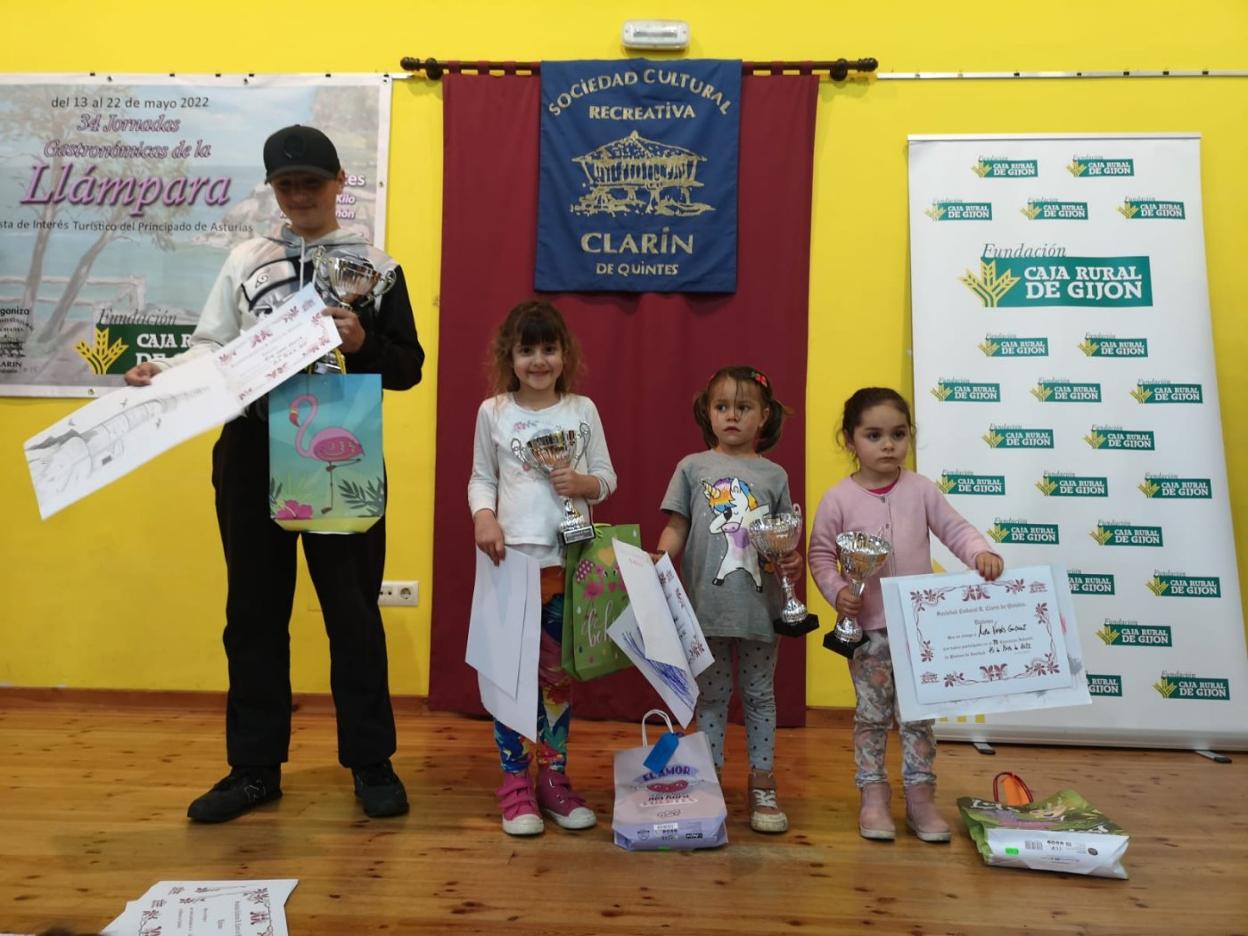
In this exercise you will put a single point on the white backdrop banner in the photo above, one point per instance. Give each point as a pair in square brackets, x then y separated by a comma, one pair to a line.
[120, 196]
[1067, 404]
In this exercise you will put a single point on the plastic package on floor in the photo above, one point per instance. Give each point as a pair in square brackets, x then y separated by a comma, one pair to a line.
[1062, 833]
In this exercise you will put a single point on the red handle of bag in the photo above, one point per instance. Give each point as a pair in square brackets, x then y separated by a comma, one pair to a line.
[1016, 790]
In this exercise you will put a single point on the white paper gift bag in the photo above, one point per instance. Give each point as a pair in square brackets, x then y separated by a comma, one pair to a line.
[680, 806]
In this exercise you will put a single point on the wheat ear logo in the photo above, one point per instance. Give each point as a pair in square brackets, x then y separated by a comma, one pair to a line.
[988, 285]
[1128, 210]
[1046, 487]
[1094, 439]
[1041, 392]
[1088, 347]
[936, 212]
[1031, 211]
[1157, 586]
[1108, 635]
[941, 392]
[993, 438]
[1102, 535]
[1147, 488]
[998, 533]
[989, 347]
[1165, 687]
[981, 168]
[945, 484]
[101, 355]
[1076, 168]
[1141, 394]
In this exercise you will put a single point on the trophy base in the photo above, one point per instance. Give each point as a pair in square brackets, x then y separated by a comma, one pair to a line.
[795, 628]
[576, 534]
[838, 644]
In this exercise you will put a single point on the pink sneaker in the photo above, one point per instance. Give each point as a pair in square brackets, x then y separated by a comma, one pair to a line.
[519, 806]
[559, 801]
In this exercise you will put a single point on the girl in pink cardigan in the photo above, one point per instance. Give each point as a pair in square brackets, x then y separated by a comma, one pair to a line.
[883, 499]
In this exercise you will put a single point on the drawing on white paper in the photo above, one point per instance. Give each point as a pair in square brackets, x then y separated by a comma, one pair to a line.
[674, 677]
[72, 457]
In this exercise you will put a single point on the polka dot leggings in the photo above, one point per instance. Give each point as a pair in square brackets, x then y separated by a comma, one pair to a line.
[756, 669]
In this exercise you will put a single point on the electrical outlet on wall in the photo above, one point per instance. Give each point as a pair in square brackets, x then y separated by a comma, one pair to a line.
[399, 593]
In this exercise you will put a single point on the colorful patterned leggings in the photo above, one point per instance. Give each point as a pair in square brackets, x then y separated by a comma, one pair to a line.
[872, 672]
[756, 670]
[554, 707]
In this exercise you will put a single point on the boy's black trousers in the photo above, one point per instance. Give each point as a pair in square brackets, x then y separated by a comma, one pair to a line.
[346, 570]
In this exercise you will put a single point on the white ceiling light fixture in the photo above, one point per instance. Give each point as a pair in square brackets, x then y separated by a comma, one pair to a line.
[668, 35]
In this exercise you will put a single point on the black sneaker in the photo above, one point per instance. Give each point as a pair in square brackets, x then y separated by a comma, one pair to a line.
[379, 790]
[244, 789]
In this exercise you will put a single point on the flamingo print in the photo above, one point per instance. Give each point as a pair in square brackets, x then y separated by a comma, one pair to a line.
[335, 446]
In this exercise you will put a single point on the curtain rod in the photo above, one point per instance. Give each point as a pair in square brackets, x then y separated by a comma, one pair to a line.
[1124, 73]
[837, 70]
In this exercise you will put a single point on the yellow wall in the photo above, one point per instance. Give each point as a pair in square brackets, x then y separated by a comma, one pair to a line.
[126, 589]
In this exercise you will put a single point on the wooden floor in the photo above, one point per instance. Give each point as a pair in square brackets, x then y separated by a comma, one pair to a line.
[93, 793]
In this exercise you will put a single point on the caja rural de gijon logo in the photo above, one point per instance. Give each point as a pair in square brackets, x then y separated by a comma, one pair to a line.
[1012, 346]
[1015, 277]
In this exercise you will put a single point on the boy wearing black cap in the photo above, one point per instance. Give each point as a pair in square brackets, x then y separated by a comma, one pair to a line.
[301, 164]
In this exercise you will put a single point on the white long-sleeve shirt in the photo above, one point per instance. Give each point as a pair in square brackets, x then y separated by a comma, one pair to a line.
[523, 499]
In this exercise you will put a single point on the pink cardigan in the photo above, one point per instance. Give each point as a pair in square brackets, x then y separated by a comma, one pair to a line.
[903, 516]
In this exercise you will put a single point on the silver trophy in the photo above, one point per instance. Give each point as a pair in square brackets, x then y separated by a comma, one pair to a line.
[861, 556]
[559, 449]
[349, 280]
[774, 537]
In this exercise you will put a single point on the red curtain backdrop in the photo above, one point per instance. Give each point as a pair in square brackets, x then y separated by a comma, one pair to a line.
[647, 355]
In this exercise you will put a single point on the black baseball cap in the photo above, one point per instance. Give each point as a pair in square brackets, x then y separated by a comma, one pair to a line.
[300, 149]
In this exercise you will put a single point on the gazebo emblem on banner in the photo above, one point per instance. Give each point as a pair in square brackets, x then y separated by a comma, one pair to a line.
[618, 171]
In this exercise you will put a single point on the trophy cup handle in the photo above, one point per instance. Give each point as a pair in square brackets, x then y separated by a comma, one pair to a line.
[384, 282]
[582, 444]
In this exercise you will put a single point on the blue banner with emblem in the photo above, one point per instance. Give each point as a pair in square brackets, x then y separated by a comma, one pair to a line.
[638, 184]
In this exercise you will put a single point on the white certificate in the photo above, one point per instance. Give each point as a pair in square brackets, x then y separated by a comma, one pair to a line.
[277, 347]
[963, 646]
[244, 908]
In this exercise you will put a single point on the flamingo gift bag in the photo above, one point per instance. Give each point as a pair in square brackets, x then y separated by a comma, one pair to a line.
[325, 469]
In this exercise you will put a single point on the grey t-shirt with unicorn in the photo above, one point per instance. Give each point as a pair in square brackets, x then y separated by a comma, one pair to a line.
[734, 593]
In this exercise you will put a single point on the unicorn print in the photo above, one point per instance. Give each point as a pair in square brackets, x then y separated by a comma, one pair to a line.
[735, 508]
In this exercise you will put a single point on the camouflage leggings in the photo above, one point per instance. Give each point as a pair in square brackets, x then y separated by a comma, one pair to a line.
[872, 672]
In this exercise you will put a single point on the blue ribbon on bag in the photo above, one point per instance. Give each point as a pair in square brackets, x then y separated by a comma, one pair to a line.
[662, 752]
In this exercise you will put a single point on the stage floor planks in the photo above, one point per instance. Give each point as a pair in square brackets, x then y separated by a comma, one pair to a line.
[94, 789]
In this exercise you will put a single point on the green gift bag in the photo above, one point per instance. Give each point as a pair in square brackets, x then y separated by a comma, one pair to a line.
[593, 597]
